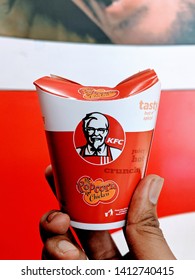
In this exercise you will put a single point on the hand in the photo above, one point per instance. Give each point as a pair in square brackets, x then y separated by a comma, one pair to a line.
[137, 21]
[117, 20]
[144, 237]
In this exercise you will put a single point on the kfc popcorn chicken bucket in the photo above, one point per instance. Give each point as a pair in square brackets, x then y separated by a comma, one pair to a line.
[99, 140]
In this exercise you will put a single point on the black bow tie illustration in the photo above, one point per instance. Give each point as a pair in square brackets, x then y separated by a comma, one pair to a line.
[95, 151]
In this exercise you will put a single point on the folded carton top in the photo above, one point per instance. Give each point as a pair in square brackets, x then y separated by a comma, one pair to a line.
[70, 89]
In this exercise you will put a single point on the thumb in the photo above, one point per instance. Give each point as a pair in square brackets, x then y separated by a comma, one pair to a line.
[143, 233]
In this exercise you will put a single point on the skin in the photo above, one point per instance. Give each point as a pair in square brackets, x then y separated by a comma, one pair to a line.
[142, 231]
[101, 21]
[54, 21]
[142, 21]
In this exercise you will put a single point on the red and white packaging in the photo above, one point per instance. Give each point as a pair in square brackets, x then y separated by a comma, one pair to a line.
[99, 140]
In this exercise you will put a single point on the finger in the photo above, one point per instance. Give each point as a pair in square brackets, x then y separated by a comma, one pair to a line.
[98, 11]
[54, 223]
[143, 233]
[98, 245]
[59, 243]
[61, 248]
[50, 178]
[122, 9]
[86, 8]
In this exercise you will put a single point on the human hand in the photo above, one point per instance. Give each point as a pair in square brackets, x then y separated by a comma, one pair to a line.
[143, 234]
[114, 18]
[138, 22]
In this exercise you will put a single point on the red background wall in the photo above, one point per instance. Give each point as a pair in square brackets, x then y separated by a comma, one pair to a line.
[25, 195]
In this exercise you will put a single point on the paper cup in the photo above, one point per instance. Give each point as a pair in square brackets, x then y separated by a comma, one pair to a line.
[99, 140]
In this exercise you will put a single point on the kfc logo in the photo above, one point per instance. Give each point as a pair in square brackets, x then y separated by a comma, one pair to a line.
[99, 138]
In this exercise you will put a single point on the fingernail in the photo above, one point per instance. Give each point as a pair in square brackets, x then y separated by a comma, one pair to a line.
[155, 189]
[65, 246]
[51, 216]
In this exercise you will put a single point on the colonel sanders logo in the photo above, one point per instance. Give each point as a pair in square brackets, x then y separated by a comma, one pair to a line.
[99, 138]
